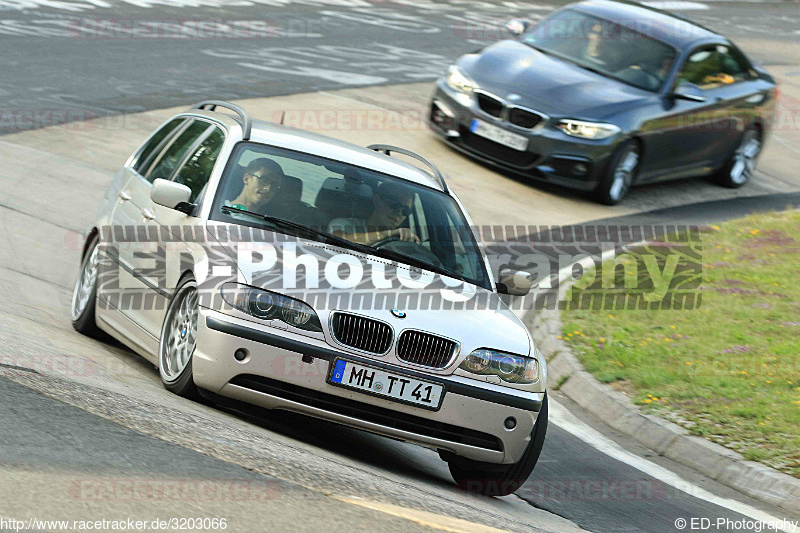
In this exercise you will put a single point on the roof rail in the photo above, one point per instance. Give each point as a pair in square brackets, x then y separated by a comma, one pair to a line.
[387, 149]
[247, 124]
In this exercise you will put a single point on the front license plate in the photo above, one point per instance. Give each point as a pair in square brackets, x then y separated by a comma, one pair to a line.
[388, 385]
[499, 135]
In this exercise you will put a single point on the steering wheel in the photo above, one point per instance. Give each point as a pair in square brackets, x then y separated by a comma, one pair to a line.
[410, 248]
[638, 76]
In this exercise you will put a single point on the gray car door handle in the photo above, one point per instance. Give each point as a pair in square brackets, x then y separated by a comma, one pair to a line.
[124, 195]
[146, 213]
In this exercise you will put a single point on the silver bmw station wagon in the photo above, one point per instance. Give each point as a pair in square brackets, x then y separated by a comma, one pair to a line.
[252, 262]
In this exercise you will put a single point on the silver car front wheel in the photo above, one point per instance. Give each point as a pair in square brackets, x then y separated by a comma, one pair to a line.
[179, 340]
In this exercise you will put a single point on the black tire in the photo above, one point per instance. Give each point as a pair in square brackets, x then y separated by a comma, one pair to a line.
[175, 377]
[619, 175]
[501, 480]
[741, 164]
[85, 292]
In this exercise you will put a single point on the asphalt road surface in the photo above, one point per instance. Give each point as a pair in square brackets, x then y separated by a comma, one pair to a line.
[136, 55]
[94, 419]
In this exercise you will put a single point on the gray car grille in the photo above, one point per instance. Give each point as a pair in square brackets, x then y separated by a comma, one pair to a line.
[489, 104]
[362, 333]
[523, 118]
[425, 349]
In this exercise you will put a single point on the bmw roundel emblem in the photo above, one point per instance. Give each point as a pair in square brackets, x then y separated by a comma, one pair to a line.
[398, 313]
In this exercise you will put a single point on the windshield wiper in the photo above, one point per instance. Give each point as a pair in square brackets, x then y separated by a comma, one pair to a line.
[329, 238]
[301, 229]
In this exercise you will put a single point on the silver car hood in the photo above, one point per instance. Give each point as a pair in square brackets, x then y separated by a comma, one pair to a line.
[484, 321]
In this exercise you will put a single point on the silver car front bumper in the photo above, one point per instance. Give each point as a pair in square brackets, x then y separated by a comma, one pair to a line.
[287, 371]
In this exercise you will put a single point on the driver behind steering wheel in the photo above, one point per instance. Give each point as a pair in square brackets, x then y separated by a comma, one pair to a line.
[392, 205]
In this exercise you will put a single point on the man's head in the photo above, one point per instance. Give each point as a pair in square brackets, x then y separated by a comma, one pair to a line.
[262, 179]
[392, 205]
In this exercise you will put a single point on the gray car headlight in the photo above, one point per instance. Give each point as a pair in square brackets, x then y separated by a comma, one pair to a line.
[508, 367]
[458, 81]
[588, 130]
[269, 305]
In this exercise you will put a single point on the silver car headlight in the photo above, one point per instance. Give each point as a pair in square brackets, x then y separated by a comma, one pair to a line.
[508, 367]
[588, 130]
[269, 305]
[458, 81]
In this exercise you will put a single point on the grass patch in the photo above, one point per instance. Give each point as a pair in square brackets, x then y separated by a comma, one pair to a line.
[728, 370]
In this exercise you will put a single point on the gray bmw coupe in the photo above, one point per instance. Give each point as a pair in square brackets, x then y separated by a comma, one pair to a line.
[602, 95]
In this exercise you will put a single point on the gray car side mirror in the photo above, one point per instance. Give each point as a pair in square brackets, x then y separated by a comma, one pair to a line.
[517, 27]
[689, 91]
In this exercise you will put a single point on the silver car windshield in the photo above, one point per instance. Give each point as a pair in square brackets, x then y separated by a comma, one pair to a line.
[604, 47]
[374, 211]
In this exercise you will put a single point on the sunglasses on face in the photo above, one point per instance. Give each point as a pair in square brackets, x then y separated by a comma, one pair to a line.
[265, 181]
[395, 205]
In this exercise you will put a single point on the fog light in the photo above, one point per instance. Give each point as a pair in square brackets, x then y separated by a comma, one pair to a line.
[579, 169]
[240, 354]
[510, 422]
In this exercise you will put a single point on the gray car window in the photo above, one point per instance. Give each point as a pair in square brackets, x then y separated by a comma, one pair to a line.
[712, 67]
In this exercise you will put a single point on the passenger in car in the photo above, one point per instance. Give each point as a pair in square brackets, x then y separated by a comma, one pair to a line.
[392, 205]
[262, 180]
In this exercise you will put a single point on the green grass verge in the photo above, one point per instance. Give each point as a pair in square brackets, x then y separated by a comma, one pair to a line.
[729, 369]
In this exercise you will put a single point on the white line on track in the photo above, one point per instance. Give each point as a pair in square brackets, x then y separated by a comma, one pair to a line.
[561, 417]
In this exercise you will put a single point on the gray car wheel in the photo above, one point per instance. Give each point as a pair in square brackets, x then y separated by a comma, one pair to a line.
[619, 175]
[741, 165]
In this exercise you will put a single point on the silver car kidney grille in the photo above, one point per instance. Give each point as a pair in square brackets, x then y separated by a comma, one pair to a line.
[362, 333]
[425, 349]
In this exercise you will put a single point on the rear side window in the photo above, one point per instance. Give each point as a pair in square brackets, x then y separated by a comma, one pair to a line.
[197, 169]
[714, 67]
[149, 150]
[168, 160]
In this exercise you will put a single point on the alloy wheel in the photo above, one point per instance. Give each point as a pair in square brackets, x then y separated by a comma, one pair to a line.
[84, 285]
[179, 337]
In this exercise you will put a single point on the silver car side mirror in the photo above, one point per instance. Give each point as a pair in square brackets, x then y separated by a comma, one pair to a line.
[514, 282]
[517, 27]
[171, 194]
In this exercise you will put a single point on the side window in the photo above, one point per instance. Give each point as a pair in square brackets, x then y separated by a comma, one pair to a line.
[713, 67]
[169, 159]
[197, 169]
[149, 151]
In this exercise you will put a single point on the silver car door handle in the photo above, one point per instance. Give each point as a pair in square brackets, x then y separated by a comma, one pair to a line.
[124, 195]
[146, 213]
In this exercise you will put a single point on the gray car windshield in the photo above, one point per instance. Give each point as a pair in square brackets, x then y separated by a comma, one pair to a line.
[604, 47]
[375, 212]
